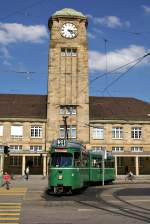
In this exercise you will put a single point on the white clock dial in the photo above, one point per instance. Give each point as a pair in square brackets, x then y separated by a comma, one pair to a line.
[69, 30]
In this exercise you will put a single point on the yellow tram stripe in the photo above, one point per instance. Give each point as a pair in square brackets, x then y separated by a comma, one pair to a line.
[1, 218]
[10, 203]
[12, 194]
[9, 214]
[9, 222]
[10, 210]
[9, 206]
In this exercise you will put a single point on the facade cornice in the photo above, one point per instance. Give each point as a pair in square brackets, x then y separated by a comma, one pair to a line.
[119, 122]
[7, 119]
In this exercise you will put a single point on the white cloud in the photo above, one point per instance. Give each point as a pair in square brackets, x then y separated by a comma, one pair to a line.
[97, 60]
[109, 21]
[91, 36]
[146, 9]
[14, 32]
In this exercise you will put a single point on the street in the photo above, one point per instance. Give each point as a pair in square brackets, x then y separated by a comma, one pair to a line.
[27, 202]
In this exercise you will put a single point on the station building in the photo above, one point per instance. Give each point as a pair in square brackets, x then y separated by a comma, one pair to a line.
[29, 123]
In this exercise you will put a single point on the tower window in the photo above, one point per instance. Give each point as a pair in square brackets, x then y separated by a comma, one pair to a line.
[68, 52]
[72, 132]
[68, 109]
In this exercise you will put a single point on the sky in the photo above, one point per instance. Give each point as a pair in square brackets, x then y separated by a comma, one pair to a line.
[118, 44]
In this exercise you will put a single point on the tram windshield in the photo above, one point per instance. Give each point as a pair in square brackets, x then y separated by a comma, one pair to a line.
[61, 159]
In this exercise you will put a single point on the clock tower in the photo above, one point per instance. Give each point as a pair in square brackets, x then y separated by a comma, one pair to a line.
[68, 96]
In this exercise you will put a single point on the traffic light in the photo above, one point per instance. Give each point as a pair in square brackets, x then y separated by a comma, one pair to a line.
[6, 150]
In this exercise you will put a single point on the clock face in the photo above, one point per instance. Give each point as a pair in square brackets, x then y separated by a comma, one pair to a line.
[69, 30]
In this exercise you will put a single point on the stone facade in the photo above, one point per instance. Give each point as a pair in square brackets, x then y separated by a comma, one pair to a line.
[92, 119]
[68, 77]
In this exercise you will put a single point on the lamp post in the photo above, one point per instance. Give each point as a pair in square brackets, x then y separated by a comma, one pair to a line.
[104, 156]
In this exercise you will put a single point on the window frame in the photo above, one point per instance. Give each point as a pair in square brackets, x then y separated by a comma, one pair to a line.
[136, 133]
[117, 132]
[70, 129]
[16, 135]
[98, 133]
[137, 149]
[117, 149]
[36, 148]
[36, 131]
[15, 148]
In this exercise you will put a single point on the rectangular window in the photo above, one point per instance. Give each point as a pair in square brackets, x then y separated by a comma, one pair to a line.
[74, 52]
[1, 130]
[117, 149]
[69, 52]
[35, 148]
[15, 161]
[98, 133]
[62, 110]
[117, 132]
[68, 109]
[63, 52]
[136, 149]
[71, 131]
[15, 147]
[36, 131]
[16, 131]
[136, 133]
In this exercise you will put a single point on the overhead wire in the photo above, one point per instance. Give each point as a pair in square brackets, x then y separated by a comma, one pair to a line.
[22, 9]
[122, 74]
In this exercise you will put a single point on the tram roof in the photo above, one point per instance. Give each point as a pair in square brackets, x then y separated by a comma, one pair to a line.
[68, 144]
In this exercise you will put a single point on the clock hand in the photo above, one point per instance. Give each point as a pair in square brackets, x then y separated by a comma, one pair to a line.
[71, 31]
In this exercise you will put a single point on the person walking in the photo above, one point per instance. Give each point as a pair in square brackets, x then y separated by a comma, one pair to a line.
[6, 180]
[27, 172]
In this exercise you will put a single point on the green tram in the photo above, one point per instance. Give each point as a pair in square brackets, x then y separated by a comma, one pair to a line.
[71, 167]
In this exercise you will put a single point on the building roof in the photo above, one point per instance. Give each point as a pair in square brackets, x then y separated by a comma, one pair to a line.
[66, 12]
[101, 108]
[23, 106]
[118, 108]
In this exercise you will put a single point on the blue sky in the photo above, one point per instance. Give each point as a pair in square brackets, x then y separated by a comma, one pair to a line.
[118, 35]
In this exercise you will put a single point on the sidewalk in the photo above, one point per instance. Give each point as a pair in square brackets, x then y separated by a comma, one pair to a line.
[138, 179]
[40, 183]
[35, 182]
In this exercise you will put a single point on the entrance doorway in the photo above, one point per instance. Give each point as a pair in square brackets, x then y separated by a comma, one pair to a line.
[125, 164]
[35, 164]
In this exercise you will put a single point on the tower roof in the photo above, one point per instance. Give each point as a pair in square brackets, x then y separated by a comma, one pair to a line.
[68, 12]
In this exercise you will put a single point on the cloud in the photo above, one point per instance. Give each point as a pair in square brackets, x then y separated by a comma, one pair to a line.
[146, 9]
[109, 21]
[97, 60]
[15, 32]
[91, 36]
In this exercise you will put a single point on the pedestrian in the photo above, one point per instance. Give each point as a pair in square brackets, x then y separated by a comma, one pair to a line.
[27, 173]
[6, 180]
[1, 177]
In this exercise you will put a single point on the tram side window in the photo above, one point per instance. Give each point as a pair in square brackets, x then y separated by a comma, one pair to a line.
[77, 159]
[109, 164]
[96, 162]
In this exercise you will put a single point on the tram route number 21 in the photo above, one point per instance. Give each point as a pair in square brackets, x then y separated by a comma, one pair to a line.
[61, 142]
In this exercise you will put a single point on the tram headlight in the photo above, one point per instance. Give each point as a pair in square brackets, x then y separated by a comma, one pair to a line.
[60, 177]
